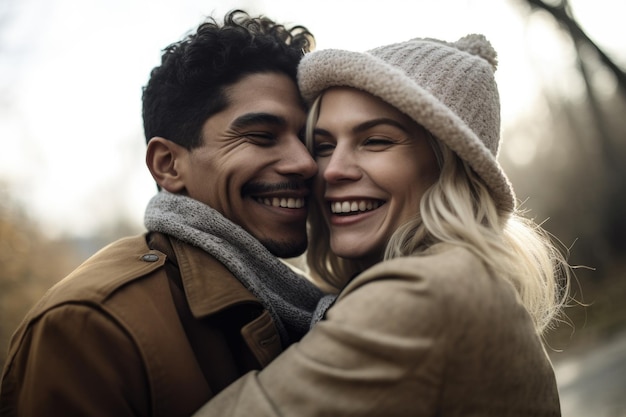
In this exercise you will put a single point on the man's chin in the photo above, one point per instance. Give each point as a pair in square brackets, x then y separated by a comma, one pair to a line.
[284, 249]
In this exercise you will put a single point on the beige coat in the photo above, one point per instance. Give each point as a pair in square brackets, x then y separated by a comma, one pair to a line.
[149, 326]
[437, 335]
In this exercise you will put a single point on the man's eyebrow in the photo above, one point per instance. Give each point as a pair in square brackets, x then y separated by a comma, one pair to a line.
[366, 125]
[252, 119]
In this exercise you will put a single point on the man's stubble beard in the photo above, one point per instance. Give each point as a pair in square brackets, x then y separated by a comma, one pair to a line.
[283, 249]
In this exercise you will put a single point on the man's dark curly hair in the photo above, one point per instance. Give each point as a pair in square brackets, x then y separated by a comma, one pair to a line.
[188, 87]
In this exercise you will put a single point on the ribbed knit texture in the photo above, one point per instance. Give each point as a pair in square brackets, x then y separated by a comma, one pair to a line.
[449, 88]
[290, 298]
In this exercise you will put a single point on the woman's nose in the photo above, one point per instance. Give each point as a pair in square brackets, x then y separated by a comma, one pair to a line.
[342, 165]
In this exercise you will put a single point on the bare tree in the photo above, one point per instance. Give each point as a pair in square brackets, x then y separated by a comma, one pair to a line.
[562, 13]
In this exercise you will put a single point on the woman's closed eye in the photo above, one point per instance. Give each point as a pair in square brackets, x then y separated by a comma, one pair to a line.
[323, 148]
[378, 143]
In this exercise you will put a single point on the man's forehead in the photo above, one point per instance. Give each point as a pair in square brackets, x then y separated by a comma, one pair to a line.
[264, 98]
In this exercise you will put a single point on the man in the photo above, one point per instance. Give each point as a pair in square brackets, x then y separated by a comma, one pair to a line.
[156, 325]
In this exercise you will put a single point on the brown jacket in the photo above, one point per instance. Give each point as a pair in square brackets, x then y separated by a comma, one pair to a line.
[148, 326]
[437, 335]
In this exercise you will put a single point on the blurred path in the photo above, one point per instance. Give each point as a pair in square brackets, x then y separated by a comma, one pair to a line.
[594, 383]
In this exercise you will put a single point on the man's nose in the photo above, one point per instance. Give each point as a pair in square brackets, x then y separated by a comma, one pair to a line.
[297, 160]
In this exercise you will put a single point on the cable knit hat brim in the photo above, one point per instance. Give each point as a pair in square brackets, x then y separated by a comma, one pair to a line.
[431, 82]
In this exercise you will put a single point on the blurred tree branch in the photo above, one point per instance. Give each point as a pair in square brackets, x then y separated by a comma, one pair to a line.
[610, 147]
[605, 120]
[562, 13]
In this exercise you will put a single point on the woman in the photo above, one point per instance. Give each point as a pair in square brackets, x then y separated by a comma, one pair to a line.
[452, 286]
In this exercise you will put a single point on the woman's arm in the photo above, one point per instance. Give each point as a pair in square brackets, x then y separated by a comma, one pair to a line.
[421, 336]
[376, 341]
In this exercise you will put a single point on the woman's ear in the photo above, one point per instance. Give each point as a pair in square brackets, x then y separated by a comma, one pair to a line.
[164, 158]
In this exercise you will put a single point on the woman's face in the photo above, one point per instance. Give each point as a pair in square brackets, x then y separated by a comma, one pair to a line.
[375, 163]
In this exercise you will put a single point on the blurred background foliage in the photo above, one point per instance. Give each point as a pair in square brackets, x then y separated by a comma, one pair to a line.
[29, 264]
[576, 184]
[566, 158]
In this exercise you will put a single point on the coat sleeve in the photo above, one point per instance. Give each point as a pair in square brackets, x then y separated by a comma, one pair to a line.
[73, 361]
[372, 343]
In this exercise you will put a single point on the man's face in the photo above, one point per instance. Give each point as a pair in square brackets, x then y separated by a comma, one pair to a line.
[253, 166]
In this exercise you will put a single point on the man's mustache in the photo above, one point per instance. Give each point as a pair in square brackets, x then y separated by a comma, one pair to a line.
[262, 187]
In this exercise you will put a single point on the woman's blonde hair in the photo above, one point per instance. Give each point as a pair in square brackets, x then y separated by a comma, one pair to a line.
[459, 209]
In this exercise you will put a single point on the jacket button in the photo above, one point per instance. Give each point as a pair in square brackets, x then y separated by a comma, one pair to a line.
[150, 257]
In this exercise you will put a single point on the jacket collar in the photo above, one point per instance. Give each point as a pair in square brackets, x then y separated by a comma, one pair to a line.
[209, 286]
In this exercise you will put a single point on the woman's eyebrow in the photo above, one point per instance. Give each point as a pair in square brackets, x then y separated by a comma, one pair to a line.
[365, 126]
[376, 122]
[321, 132]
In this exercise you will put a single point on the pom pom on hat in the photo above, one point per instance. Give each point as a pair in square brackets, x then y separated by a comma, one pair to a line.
[477, 44]
[447, 87]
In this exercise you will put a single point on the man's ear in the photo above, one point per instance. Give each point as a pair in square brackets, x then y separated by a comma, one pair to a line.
[164, 159]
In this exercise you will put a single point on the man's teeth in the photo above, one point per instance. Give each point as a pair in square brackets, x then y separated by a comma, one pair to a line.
[338, 207]
[282, 202]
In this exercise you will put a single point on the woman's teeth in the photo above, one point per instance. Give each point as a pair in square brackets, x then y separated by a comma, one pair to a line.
[340, 207]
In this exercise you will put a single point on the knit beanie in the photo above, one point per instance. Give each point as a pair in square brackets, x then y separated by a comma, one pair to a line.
[448, 88]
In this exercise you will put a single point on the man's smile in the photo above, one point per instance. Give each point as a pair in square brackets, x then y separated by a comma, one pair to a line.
[283, 202]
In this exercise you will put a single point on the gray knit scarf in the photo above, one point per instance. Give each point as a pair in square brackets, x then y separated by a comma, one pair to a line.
[290, 298]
